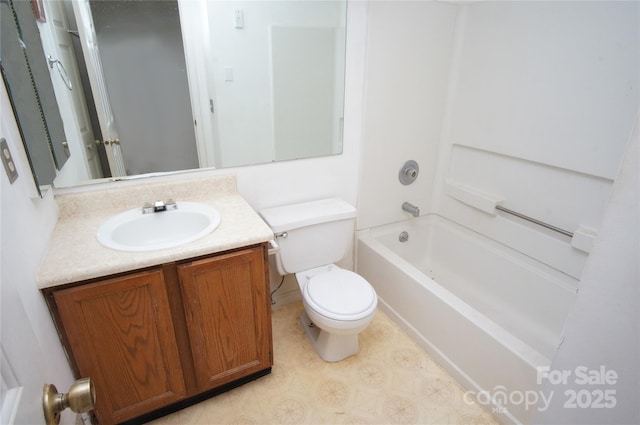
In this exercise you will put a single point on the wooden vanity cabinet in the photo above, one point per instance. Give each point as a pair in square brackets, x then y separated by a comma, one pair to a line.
[228, 317]
[157, 339]
[120, 333]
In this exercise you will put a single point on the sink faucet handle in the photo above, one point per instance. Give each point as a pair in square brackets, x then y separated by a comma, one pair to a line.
[171, 204]
[147, 208]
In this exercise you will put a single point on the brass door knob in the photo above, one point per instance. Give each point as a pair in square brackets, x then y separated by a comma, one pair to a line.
[80, 398]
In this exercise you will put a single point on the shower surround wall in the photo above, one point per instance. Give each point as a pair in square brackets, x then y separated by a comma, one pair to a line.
[407, 73]
[528, 103]
[540, 107]
[531, 101]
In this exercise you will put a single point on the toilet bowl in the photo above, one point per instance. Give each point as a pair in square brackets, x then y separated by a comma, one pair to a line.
[338, 303]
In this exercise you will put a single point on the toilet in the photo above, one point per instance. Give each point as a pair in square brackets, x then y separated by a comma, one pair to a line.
[338, 303]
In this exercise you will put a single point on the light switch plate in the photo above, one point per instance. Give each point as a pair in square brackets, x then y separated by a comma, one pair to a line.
[228, 73]
[238, 18]
[7, 161]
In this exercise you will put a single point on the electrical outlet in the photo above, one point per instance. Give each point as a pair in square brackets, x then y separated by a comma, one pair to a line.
[7, 161]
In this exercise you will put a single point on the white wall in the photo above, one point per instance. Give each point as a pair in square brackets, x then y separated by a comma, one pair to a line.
[29, 339]
[407, 72]
[603, 328]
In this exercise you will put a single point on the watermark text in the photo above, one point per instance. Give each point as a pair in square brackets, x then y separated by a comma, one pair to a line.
[588, 389]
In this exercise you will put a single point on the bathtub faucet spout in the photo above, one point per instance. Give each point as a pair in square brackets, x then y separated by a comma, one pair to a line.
[410, 208]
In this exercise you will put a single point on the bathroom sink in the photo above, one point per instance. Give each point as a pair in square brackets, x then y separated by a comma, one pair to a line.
[134, 231]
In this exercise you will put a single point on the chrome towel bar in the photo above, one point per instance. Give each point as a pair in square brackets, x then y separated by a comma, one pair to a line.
[533, 220]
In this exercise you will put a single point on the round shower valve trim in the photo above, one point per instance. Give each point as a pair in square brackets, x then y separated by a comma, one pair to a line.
[409, 172]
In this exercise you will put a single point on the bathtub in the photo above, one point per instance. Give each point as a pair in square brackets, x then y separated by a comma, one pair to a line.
[488, 314]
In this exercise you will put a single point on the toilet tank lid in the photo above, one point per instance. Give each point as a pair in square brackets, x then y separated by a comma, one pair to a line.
[294, 216]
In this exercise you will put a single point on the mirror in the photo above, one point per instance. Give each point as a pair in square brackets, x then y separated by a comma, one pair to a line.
[25, 76]
[171, 85]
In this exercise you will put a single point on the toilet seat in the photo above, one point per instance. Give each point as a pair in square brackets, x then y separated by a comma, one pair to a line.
[340, 295]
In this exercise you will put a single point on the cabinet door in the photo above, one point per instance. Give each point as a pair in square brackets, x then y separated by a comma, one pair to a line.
[228, 316]
[121, 335]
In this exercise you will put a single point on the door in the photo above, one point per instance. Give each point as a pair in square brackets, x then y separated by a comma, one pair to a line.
[91, 52]
[136, 66]
[70, 95]
[228, 316]
[121, 334]
[23, 366]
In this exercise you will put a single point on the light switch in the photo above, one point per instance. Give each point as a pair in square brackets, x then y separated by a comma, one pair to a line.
[228, 73]
[238, 17]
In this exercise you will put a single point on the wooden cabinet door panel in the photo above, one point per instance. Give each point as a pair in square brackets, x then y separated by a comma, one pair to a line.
[228, 316]
[122, 335]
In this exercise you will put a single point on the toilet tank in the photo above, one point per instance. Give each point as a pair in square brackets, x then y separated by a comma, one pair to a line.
[311, 234]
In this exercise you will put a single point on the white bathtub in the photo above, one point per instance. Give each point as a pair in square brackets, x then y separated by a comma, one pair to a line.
[490, 315]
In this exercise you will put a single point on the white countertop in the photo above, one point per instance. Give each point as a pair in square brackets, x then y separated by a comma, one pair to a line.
[75, 254]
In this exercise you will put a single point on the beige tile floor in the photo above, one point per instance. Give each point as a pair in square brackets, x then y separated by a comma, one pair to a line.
[391, 381]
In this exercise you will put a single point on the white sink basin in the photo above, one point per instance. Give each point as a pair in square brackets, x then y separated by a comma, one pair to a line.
[134, 231]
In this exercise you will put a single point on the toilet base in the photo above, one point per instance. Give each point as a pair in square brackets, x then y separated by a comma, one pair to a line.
[330, 347]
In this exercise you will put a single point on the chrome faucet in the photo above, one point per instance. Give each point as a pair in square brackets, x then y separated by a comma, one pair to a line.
[411, 209]
[159, 206]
